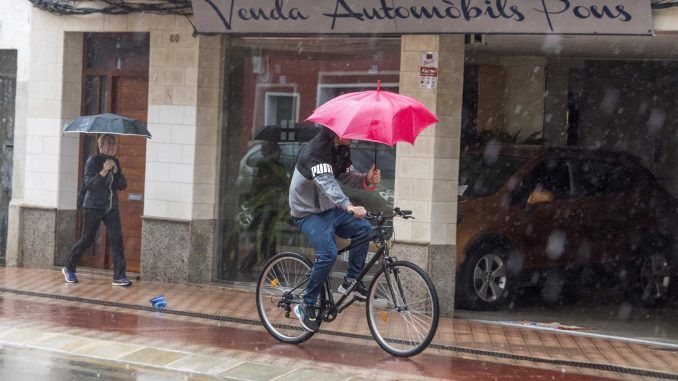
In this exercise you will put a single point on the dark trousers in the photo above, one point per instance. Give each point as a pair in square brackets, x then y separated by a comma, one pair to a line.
[91, 218]
[320, 229]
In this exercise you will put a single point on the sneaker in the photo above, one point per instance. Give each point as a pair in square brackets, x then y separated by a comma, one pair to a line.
[306, 315]
[122, 282]
[360, 291]
[69, 275]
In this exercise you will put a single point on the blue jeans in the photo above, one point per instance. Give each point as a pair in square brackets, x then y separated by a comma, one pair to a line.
[320, 229]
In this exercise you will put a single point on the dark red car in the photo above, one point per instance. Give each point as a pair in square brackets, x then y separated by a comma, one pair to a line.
[548, 217]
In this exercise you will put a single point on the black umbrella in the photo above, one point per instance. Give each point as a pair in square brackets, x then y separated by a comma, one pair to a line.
[299, 133]
[107, 124]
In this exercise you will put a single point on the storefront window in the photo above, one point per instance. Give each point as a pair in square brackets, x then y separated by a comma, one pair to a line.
[568, 193]
[271, 86]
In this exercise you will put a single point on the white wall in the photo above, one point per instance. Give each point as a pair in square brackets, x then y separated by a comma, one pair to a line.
[183, 112]
[15, 25]
[665, 20]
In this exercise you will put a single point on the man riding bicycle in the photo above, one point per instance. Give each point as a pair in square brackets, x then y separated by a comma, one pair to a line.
[320, 209]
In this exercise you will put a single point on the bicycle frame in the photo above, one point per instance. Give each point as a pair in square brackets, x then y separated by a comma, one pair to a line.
[399, 328]
[327, 295]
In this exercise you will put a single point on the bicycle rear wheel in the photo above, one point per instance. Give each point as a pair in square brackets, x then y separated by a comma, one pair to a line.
[280, 288]
[402, 309]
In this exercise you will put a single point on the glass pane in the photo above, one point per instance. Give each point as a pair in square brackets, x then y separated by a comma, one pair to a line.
[7, 105]
[272, 85]
[117, 51]
[93, 99]
[568, 189]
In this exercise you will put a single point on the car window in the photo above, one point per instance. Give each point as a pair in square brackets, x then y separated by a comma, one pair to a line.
[554, 175]
[479, 176]
[254, 158]
[597, 177]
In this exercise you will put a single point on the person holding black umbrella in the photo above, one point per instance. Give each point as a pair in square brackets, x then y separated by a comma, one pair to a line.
[103, 179]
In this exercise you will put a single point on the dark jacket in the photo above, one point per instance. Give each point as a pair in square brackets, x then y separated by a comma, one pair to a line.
[102, 192]
[314, 187]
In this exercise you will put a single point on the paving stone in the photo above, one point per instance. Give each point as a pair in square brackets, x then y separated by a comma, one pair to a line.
[311, 375]
[202, 364]
[255, 372]
[154, 356]
[73, 345]
[22, 336]
[61, 342]
[107, 349]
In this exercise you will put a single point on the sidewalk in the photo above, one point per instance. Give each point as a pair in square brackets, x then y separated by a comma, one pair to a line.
[488, 342]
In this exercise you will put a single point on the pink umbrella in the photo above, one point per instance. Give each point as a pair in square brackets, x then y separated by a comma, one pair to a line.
[375, 116]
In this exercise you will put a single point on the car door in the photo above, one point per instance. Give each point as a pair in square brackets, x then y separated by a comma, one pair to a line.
[608, 211]
[543, 229]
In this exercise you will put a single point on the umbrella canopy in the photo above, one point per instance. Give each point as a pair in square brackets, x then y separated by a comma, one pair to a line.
[375, 116]
[107, 124]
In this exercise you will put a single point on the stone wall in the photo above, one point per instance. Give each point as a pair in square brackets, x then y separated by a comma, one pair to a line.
[427, 173]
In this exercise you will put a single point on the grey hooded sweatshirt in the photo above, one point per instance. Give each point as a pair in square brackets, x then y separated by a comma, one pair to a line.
[314, 187]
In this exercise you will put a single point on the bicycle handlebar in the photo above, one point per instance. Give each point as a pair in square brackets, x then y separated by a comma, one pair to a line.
[397, 212]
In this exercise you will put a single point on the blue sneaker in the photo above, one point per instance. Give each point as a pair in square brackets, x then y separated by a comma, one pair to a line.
[306, 315]
[122, 282]
[69, 275]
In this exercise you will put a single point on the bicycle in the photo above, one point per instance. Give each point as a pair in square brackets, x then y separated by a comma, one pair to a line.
[402, 305]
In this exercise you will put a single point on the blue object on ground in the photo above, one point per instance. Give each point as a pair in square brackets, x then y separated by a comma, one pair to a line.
[159, 302]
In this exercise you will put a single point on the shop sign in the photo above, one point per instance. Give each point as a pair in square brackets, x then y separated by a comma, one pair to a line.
[428, 71]
[626, 17]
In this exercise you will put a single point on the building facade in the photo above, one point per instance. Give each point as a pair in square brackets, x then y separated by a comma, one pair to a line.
[221, 107]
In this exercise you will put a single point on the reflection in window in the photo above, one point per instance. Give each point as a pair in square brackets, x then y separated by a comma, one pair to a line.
[271, 86]
[481, 177]
[597, 178]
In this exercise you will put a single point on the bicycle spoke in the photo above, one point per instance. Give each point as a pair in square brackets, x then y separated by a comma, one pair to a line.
[278, 291]
[418, 324]
[402, 309]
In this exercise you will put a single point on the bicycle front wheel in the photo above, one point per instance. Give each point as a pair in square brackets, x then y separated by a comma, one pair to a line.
[402, 309]
[280, 288]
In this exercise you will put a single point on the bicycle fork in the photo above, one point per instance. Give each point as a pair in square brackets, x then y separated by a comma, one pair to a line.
[400, 304]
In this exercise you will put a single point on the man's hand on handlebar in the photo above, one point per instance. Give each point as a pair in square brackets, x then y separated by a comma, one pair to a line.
[357, 211]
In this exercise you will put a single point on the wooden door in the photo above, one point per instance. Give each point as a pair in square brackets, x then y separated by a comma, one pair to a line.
[126, 96]
[130, 99]
[115, 80]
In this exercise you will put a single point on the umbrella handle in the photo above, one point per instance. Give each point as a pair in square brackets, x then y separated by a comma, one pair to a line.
[375, 155]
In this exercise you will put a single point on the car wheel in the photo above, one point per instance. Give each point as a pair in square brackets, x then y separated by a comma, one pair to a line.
[484, 281]
[654, 279]
[650, 280]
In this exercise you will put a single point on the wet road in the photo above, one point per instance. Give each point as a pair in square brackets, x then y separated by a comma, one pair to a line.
[322, 348]
[30, 364]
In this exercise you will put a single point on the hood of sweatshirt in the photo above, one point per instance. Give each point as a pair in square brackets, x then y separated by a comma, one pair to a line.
[320, 155]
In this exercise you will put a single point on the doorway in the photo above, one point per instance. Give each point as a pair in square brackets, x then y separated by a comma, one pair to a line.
[116, 81]
[7, 102]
